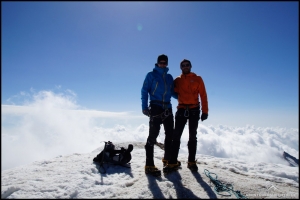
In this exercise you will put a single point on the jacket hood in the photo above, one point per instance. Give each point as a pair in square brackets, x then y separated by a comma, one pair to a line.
[189, 74]
[160, 70]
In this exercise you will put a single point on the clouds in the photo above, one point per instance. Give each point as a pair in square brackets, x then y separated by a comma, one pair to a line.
[50, 123]
[248, 143]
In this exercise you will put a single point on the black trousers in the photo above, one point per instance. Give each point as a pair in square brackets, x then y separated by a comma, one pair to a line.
[159, 116]
[181, 117]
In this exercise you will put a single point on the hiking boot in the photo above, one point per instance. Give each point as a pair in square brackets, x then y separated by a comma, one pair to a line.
[152, 170]
[171, 167]
[165, 162]
[192, 166]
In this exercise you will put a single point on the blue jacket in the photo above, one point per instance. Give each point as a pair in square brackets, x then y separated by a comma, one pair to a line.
[159, 85]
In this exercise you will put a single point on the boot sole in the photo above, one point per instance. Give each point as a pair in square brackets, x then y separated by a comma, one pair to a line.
[169, 170]
[156, 173]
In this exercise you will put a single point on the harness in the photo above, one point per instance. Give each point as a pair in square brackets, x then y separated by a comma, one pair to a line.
[187, 107]
[165, 113]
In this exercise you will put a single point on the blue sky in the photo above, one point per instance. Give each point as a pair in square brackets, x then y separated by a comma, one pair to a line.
[246, 53]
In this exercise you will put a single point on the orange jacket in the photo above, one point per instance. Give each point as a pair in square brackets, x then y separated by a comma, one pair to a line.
[188, 87]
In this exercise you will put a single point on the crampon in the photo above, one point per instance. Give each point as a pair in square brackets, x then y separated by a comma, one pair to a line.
[152, 170]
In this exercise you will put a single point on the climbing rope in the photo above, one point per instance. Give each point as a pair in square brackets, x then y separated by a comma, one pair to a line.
[162, 115]
[220, 187]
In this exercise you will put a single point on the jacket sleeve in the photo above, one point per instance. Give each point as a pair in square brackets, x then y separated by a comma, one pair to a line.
[145, 91]
[203, 96]
[173, 93]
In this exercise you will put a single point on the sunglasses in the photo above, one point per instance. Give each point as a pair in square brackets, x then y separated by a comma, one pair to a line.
[185, 65]
[162, 63]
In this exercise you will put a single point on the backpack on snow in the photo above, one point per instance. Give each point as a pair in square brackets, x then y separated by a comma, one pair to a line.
[110, 155]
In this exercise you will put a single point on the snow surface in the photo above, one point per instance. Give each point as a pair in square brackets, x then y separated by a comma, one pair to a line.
[77, 176]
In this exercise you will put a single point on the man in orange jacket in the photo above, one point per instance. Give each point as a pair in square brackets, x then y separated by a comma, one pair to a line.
[188, 86]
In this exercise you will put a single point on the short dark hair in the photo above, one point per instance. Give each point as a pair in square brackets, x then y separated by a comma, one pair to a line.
[185, 60]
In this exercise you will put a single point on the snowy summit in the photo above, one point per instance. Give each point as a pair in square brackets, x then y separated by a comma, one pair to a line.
[77, 176]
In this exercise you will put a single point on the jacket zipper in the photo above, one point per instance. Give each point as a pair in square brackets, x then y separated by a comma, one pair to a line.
[165, 87]
[155, 88]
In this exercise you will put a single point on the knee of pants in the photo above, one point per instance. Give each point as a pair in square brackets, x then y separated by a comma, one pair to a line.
[192, 141]
[169, 127]
[169, 135]
[168, 139]
[176, 137]
[154, 127]
[177, 134]
[150, 142]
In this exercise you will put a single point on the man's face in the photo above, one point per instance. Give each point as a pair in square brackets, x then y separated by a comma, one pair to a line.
[162, 64]
[185, 67]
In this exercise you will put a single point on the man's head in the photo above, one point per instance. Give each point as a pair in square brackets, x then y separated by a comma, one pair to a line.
[185, 66]
[162, 60]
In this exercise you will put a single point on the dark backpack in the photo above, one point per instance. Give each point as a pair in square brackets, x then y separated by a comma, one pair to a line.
[110, 155]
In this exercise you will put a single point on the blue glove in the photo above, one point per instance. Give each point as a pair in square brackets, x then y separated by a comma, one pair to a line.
[146, 112]
[204, 116]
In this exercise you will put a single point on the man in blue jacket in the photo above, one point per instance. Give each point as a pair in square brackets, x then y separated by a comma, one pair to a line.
[158, 84]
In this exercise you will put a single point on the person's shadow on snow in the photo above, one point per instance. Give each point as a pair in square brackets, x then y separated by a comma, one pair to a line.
[205, 186]
[154, 188]
[181, 191]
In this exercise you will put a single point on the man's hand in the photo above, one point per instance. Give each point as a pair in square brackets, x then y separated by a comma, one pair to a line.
[204, 116]
[146, 112]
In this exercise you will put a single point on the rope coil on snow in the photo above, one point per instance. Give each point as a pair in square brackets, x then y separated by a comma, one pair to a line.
[220, 187]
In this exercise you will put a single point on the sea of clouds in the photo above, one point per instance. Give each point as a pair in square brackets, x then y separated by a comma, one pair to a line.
[48, 124]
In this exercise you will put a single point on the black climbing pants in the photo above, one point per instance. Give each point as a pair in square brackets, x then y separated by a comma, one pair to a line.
[181, 117]
[159, 116]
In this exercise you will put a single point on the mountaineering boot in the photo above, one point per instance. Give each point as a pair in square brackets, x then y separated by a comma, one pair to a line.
[152, 170]
[171, 167]
[165, 162]
[192, 166]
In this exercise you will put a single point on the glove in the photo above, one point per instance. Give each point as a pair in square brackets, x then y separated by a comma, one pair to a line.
[146, 112]
[204, 116]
